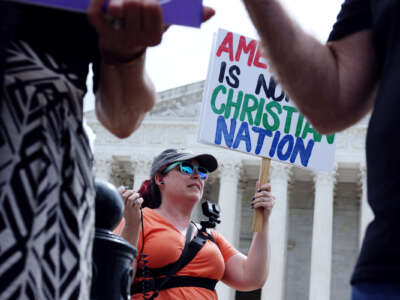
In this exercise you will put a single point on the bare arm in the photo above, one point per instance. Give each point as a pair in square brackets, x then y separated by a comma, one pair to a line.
[250, 273]
[125, 91]
[124, 96]
[332, 84]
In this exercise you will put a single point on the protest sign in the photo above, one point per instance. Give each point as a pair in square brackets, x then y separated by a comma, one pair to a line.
[179, 12]
[244, 109]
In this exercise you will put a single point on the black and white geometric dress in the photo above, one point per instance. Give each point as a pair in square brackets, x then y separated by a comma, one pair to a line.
[46, 182]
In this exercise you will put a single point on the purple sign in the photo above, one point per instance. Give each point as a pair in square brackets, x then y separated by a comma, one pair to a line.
[180, 12]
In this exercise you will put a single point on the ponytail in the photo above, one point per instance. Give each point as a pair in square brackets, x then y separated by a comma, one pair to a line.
[150, 193]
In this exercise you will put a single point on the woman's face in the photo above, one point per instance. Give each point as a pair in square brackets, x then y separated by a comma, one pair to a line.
[182, 185]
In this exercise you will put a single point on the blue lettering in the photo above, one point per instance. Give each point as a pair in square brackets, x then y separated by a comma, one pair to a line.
[286, 140]
[305, 152]
[243, 135]
[222, 129]
[274, 143]
[261, 137]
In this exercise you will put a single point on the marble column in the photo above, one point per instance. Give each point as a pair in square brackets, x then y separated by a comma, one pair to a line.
[321, 250]
[103, 168]
[275, 285]
[230, 213]
[366, 214]
[142, 172]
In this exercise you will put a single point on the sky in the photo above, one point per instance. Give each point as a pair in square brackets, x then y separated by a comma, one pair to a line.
[182, 57]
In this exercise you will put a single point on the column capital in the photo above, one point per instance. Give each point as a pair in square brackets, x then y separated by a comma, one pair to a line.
[325, 177]
[230, 168]
[280, 171]
[143, 165]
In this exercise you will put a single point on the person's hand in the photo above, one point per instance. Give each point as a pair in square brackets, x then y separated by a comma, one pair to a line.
[132, 201]
[208, 13]
[127, 27]
[263, 199]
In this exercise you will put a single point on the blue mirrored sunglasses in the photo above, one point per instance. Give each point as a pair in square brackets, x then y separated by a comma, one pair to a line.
[186, 167]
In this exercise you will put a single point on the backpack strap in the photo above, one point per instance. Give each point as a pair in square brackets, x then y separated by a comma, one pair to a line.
[162, 271]
[189, 251]
[175, 281]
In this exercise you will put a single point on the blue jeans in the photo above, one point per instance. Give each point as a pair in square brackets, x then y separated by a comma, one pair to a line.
[375, 291]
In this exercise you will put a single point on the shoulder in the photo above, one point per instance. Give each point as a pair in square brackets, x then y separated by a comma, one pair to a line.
[354, 16]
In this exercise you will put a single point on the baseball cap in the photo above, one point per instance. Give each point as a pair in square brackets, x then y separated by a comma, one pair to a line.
[170, 156]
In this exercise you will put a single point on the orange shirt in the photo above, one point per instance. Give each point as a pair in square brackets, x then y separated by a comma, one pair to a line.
[164, 244]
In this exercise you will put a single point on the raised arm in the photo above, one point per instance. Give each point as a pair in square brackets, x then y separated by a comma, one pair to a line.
[332, 84]
[125, 92]
[250, 273]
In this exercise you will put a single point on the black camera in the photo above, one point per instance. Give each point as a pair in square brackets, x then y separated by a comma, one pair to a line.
[212, 211]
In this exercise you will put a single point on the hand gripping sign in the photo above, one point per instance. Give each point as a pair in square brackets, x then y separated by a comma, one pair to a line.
[244, 109]
[180, 12]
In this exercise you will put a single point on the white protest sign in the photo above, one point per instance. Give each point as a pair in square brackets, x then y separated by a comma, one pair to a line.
[244, 109]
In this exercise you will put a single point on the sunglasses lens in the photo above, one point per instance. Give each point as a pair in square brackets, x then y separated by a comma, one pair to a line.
[186, 168]
[203, 173]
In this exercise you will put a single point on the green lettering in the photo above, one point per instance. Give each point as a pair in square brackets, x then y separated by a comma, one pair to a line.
[248, 109]
[236, 105]
[309, 129]
[270, 107]
[260, 109]
[215, 93]
[330, 138]
[289, 113]
[299, 125]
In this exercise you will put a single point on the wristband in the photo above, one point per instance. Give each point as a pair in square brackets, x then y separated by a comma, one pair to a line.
[126, 62]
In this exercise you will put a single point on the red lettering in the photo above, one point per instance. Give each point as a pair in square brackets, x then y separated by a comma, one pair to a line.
[226, 46]
[251, 47]
[257, 62]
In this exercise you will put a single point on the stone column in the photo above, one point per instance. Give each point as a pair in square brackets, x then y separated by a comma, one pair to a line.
[103, 168]
[321, 251]
[142, 172]
[366, 214]
[275, 285]
[230, 214]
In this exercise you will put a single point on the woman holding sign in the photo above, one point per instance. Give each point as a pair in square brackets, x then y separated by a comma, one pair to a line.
[178, 259]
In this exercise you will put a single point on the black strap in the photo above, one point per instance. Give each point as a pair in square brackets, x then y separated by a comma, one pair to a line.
[179, 264]
[189, 251]
[158, 272]
[176, 281]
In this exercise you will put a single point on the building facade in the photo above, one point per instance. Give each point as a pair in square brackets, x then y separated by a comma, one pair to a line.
[318, 220]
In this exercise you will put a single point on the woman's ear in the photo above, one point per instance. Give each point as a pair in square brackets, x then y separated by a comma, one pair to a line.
[159, 179]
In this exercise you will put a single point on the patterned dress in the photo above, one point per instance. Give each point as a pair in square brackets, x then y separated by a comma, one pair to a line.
[46, 182]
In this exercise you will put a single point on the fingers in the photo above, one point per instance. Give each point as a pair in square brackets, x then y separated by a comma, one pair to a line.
[115, 9]
[263, 187]
[134, 202]
[208, 13]
[152, 23]
[96, 14]
[263, 197]
[133, 19]
[264, 202]
[131, 198]
[122, 189]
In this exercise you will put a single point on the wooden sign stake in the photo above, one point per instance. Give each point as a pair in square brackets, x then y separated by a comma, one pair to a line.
[263, 178]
